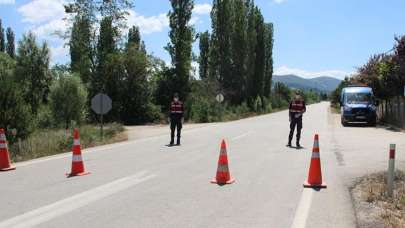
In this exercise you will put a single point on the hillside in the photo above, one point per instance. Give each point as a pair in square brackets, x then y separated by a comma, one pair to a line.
[320, 84]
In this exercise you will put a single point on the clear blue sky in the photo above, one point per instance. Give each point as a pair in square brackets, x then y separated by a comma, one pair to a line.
[312, 37]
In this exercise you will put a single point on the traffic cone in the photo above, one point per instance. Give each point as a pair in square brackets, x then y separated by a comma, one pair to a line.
[315, 173]
[5, 164]
[223, 175]
[77, 160]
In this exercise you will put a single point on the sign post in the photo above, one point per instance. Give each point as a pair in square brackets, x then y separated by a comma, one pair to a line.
[101, 104]
[220, 98]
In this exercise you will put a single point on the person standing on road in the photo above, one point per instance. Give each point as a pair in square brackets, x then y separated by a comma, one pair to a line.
[176, 118]
[296, 110]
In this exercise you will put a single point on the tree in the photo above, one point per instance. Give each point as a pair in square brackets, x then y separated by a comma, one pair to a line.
[204, 54]
[268, 72]
[260, 55]
[136, 100]
[81, 48]
[32, 71]
[2, 38]
[14, 111]
[10, 43]
[68, 100]
[239, 50]
[180, 46]
[222, 28]
[251, 53]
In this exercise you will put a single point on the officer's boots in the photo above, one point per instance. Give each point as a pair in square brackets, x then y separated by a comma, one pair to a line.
[178, 141]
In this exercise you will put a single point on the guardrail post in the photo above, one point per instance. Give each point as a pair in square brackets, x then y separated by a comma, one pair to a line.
[391, 171]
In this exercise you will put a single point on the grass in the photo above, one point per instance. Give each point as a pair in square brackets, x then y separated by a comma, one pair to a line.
[46, 142]
[374, 193]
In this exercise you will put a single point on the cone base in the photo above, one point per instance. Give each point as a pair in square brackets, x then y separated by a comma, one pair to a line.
[214, 181]
[77, 174]
[308, 185]
[7, 169]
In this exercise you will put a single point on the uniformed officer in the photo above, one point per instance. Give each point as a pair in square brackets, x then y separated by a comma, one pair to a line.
[296, 110]
[176, 118]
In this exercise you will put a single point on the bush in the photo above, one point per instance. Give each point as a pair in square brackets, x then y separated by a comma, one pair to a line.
[14, 111]
[44, 118]
[68, 100]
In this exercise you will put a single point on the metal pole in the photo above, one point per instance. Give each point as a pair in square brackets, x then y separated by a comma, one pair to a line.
[391, 171]
[102, 111]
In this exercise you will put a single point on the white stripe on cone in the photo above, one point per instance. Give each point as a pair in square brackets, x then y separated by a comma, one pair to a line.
[76, 142]
[3, 146]
[77, 158]
[315, 155]
[3, 137]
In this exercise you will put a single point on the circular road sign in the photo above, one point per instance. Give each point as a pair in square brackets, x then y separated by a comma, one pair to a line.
[101, 103]
[220, 98]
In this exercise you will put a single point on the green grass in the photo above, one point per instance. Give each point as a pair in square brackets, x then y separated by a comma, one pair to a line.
[46, 142]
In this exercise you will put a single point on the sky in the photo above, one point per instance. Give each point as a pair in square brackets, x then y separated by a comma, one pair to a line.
[312, 37]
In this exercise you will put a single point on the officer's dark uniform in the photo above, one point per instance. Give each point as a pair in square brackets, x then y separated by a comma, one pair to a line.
[297, 109]
[176, 116]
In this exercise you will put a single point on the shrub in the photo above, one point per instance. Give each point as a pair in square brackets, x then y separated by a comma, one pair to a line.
[68, 100]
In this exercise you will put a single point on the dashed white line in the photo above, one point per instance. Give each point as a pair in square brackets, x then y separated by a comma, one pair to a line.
[304, 206]
[46, 213]
[241, 136]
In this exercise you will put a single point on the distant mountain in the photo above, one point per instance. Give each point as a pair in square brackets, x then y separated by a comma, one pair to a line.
[320, 84]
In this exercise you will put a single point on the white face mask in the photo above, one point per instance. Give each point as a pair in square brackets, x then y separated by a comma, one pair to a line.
[176, 99]
[297, 97]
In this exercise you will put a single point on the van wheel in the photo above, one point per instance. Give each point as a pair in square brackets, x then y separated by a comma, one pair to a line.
[344, 124]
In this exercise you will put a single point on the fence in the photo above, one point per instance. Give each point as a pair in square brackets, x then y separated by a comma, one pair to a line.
[393, 111]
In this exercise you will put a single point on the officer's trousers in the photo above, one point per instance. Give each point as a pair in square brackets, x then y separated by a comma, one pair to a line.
[175, 123]
[295, 122]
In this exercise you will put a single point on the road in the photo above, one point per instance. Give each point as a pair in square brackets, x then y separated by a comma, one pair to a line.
[143, 183]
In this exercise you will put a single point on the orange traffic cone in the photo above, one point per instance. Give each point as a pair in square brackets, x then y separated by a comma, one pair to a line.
[223, 174]
[5, 164]
[315, 173]
[77, 160]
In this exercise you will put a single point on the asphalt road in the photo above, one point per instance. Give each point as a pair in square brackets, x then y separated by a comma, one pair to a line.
[143, 183]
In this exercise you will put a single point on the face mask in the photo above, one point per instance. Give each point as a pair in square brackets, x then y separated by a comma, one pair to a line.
[176, 99]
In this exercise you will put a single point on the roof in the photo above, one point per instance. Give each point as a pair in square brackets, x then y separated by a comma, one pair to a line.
[357, 90]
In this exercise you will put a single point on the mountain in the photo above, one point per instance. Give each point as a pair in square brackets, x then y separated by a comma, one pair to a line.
[320, 84]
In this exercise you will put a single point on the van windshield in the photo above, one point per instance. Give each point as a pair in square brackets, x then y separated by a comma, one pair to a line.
[359, 98]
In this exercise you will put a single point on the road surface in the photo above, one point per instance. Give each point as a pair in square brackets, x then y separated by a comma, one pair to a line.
[143, 183]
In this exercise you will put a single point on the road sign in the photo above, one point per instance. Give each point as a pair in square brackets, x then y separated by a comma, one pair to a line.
[101, 103]
[220, 98]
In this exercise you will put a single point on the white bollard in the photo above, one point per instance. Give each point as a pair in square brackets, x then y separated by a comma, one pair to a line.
[391, 171]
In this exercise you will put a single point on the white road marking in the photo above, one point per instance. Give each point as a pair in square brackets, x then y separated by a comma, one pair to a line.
[302, 212]
[46, 213]
[241, 136]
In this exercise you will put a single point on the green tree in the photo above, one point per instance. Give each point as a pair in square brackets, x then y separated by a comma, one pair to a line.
[204, 54]
[68, 99]
[239, 50]
[221, 15]
[251, 53]
[81, 48]
[268, 72]
[2, 38]
[32, 71]
[10, 47]
[260, 55]
[14, 111]
[180, 47]
[136, 94]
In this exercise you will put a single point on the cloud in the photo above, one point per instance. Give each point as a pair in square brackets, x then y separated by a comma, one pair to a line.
[40, 11]
[284, 70]
[7, 2]
[148, 25]
[202, 9]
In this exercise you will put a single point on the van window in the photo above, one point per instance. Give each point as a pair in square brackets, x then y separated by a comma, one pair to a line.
[358, 98]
